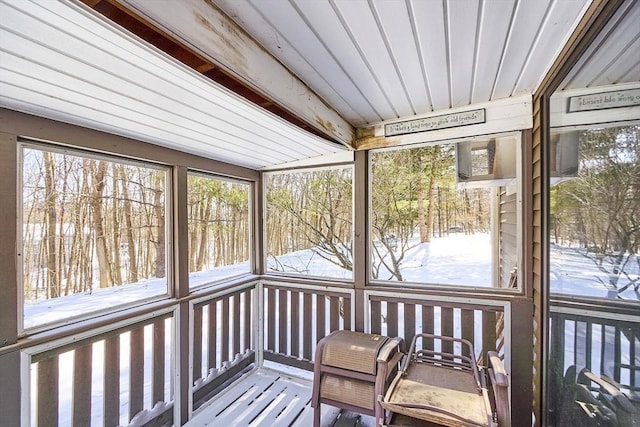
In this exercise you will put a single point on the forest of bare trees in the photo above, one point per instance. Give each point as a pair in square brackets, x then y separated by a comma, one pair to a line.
[599, 209]
[219, 222]
[89, 223]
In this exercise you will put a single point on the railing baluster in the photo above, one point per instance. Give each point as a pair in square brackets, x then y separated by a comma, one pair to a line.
[409, 322]
[617, 351]
[581, 344]
[247, 320]
[634, 356]
[197, 342]
[212, 353]
[136, 371]
[158, 361]
[446, 327]
[295, 324]
[346, 312]
[376, 317]
[307, 308]
[82, 385]
[320, 317]
[237, 321]
[334, 313]
[271, 319]
[488, 333]
[392, 319]
[224, 346]
[427, 324]
[112, 380]
[467, 325]
[282, 320]
[48, 392]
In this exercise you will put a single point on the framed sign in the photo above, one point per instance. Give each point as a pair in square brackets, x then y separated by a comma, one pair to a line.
[464, 118]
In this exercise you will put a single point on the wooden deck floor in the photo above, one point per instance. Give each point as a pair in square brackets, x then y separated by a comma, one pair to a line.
[270, 398]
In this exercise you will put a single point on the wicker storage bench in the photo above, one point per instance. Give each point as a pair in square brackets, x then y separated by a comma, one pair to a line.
[352, 369]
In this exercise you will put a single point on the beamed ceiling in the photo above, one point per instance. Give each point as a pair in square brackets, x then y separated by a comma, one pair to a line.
[266, 83]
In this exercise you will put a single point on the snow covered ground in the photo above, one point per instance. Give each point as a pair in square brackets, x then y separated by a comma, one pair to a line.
[454, 260]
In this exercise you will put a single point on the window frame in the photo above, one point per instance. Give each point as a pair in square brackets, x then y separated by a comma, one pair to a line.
[334, 166]
[251, 224]
[67, 149]
[519, 289]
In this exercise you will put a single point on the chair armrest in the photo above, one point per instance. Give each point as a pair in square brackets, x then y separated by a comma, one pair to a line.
[497, 372]
[392, 346]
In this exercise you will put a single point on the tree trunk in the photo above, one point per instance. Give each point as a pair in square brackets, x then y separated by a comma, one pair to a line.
[158, 206]
[128, 214]
[53, 276]
[98, 224]
[424, 233]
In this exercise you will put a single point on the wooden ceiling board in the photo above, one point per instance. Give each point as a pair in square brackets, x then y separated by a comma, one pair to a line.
[551, 38]
[528, 17]
[462, 23]
[284, 32]
[611, 57]
[334, 33]
[495, 25]
[398, 27]
[361, 22]
[58, 62]
[432, 41]
[203, 26]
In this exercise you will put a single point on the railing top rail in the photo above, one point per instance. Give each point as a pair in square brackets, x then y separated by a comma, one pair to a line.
[308, 288]
[596, 309]
[438, 301]
[226, 292]
[62, 345]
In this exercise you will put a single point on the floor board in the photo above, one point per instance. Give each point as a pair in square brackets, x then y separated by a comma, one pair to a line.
[269, 398]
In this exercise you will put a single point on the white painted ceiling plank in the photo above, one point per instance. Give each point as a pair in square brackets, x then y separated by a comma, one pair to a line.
[282, 31]
[495, 24]
[552, 36]
[129, 96]
[398, 28]
[581, 65]
[462, 19]
[169, 94]
[363, 26]
[338, 40]
[26, 100]
[528, 18]
[429, 18]
[61, 86]
[626, 32]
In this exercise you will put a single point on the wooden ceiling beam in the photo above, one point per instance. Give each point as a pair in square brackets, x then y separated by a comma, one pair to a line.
[161, 39]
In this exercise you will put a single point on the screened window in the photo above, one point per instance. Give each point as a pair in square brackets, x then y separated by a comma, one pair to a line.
[309, 222]
[219, 228]
[446, 214]
[594, 229]
[93, 233]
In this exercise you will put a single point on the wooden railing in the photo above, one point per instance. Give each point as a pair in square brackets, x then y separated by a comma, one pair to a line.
[603, 339]
[78, 379]
[607, 342]
[313, 312]
[132, 368]
[479, 321]
[223, 338]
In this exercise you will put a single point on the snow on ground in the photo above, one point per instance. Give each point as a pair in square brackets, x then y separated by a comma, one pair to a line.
[457, 259]
[573, 271]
